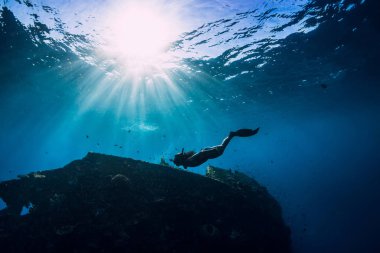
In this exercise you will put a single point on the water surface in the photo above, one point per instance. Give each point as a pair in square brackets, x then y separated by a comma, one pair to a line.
[144, 79]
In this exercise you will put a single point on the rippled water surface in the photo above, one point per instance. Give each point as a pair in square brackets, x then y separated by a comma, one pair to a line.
[143, 79]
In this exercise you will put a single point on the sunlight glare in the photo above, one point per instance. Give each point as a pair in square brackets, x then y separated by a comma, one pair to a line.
[140, 35]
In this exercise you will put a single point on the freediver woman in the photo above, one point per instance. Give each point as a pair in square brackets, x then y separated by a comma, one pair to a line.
[192, 159]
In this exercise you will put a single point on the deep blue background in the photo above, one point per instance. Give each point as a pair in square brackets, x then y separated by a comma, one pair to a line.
[316, 100]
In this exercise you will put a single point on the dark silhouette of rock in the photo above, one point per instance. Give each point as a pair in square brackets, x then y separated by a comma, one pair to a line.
[106, 203]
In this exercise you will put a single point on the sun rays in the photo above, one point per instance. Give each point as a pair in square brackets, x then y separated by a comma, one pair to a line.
[137, 81]
[138, 36]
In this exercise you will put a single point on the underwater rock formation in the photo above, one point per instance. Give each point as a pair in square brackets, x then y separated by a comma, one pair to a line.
[106, 203]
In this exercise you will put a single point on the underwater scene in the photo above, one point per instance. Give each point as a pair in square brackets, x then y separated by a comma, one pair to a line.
[190, 126]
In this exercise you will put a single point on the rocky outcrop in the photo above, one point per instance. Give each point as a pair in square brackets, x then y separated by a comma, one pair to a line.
[105, 203]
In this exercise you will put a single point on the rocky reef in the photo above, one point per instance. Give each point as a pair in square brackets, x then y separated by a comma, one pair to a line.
[105, 203]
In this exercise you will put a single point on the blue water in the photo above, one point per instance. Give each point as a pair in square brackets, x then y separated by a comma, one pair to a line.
[305, 72]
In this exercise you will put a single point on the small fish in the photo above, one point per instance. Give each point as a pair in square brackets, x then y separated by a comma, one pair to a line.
[87, 136]
[324, 86]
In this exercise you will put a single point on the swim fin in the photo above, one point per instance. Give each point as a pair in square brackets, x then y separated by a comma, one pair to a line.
[245, 132]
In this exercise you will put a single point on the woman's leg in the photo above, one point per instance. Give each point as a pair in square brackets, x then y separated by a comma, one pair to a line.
[240, 133]
[211, 152]
[216, 151]
[225, 142]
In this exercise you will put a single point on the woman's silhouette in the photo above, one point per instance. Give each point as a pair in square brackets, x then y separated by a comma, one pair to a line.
[192, 159]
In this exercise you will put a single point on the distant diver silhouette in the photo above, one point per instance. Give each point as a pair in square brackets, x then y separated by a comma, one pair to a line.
[192, 159]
